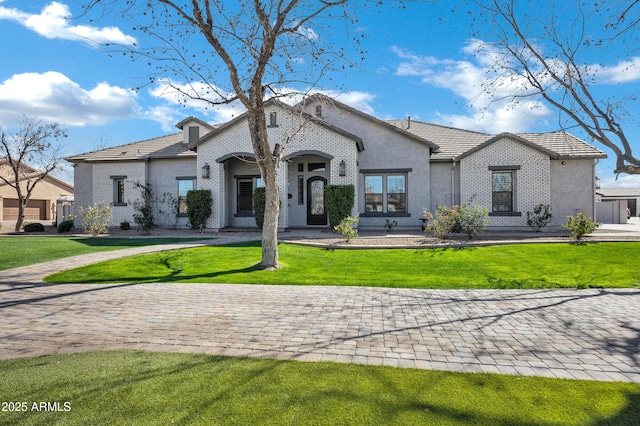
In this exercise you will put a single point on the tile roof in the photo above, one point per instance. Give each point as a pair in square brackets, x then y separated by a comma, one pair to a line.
[6, 167]
[564, 144]
[169, 146]
[456, 142]
[450, 142]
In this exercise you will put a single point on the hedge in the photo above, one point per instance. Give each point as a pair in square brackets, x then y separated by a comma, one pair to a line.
[340, 201]
[259, 203]
[199, 207]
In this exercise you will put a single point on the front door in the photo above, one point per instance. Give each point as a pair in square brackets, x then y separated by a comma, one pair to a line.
[316, 211]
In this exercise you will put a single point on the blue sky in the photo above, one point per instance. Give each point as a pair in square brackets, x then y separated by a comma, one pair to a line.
[420, 62]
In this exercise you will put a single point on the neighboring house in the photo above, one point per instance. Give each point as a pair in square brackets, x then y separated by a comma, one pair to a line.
[631, 195]
[398, 168]
[616, 204]
[42, 204]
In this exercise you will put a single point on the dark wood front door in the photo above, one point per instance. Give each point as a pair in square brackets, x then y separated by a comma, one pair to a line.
[316, 208]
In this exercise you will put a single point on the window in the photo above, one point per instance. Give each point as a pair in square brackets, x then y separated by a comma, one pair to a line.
[373, 193]
[502, 191]
[317, 167]
[245, 196]
[396, 194]
[118, 190]
[184, 185]
[273, 119]
[300, 190]
[385, 193]
[245, 187]
[319, 111]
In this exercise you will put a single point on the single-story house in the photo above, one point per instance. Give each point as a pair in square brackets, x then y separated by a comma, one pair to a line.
[398, 168]
[43, 201]
[630, 195]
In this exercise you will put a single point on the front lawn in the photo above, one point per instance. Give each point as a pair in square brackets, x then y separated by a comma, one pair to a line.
[27, 250]
[506, 266]
[129, 387]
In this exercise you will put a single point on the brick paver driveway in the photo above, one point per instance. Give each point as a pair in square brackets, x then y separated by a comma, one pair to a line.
[585, 334]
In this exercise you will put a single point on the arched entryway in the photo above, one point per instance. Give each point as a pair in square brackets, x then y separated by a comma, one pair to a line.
[316, 203]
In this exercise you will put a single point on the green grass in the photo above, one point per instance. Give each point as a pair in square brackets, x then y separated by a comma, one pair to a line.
[27, 250]
[129, 387]
[507, 266]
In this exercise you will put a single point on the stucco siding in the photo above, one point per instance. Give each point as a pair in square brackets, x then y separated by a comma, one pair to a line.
[532, 182]
[83, 187]
[572, 189]
[445, 184]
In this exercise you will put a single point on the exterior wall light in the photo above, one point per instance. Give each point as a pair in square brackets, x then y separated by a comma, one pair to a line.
[206, 171]
[343, 168]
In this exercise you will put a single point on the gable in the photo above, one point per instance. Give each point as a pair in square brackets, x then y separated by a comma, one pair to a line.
[285, 127]
[49, 181]
[359, 122]
[508, 137]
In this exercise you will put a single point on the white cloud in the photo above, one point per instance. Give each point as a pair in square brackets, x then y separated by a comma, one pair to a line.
[53, 23]
[623, 181]
[52, 96]
[359, 100]
[488, 110]
[622, 72]
[181, 95]
[518, 118]
[174, 96]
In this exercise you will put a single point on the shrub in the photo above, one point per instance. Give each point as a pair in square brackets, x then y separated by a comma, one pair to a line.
[125, 225]
[540, 217]
[346, 227]
[65, 226]
[443, 223]
[340, 202]
[144, 218]
[472, 219]
[580, 225]
[259, 203]
[199, 208]
[33, 227]
[95, 219]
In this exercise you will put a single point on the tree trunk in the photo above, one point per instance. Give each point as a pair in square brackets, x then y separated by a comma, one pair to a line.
[270, 225]
[20, 219]
[269, 163]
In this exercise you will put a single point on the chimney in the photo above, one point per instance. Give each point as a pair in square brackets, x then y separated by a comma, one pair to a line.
[408, 122]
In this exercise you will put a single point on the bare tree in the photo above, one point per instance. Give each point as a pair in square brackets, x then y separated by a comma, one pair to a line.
[244, 51]
[28, 157]
[552, 50]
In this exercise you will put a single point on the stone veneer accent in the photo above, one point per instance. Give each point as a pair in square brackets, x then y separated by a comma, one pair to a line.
[532, 181]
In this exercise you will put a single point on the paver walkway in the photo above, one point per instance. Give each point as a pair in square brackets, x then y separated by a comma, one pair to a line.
[584, 334]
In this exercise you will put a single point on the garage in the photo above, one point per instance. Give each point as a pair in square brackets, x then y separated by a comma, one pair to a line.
[36, 209]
